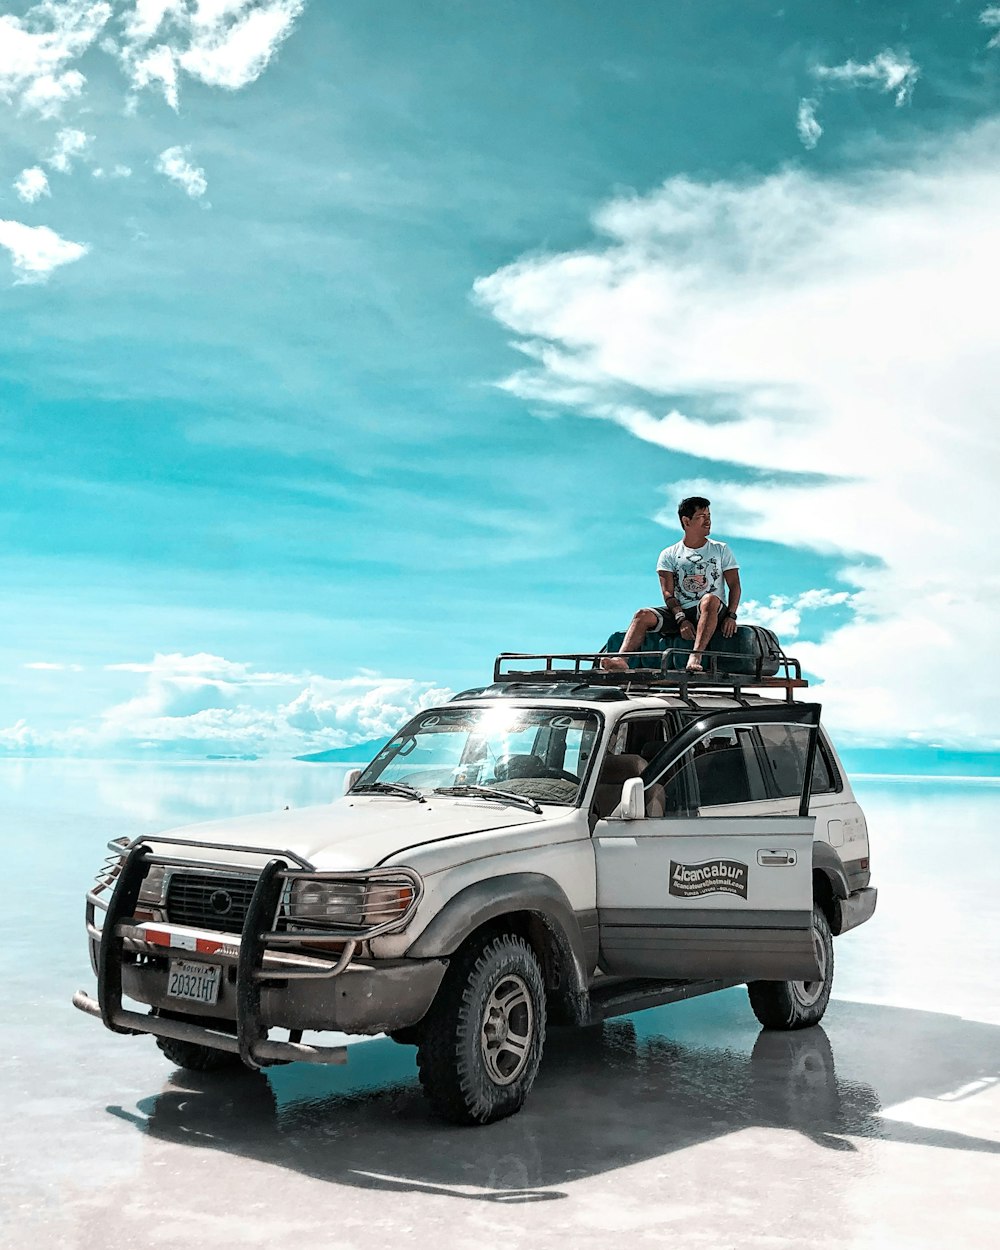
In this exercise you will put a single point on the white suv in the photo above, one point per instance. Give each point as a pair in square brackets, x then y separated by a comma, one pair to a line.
[563, 845]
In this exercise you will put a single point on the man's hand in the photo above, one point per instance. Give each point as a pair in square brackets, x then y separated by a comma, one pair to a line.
[728, 626]
[687, 630]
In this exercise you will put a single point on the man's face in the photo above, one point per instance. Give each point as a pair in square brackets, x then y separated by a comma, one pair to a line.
[700, 525]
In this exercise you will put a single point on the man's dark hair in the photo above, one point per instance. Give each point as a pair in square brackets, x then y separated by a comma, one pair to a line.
[688, 507]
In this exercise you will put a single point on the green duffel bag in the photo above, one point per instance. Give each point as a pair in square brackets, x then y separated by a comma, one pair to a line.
[753, 651]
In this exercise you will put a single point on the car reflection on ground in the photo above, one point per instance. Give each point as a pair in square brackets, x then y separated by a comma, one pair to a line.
[606, 1097]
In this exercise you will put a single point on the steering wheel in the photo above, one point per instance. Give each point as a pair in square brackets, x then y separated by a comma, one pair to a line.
[514, 767]
[560, 774]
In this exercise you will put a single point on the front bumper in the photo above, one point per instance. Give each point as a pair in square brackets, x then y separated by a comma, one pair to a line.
[261, 985]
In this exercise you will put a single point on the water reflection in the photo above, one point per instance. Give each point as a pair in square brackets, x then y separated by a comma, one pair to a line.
[605, 1098]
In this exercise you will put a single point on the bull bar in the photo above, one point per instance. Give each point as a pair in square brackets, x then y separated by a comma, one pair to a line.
[258, 937]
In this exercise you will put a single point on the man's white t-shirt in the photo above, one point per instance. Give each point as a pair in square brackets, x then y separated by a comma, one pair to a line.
[697, 570]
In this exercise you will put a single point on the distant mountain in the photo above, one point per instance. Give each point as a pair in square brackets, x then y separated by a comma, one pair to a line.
[360, 753]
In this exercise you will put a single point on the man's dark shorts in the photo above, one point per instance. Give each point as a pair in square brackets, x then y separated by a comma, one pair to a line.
[668, 625]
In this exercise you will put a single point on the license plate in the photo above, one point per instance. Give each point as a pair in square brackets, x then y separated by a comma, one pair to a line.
[198, 983]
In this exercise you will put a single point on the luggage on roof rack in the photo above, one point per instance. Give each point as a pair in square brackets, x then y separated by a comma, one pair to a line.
[753, 651]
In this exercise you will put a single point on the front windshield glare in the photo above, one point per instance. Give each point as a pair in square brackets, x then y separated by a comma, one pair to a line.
[540, 753]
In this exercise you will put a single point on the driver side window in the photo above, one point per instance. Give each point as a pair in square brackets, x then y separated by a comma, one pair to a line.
[720, 770]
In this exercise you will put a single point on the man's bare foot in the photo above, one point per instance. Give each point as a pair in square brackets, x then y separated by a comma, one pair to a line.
[694, 663]
[613, 664]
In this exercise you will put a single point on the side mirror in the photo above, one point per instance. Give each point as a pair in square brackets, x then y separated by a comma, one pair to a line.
[633, 804]
[351, 778]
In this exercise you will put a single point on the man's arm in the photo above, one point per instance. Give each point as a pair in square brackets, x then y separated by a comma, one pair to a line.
[667, 584]
[734, 590]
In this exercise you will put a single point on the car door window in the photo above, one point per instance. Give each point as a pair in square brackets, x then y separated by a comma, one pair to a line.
[784, 752]
[720, 770]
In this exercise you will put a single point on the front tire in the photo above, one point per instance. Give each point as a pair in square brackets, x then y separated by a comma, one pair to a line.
[797, 1004]
[197, 1058]
[481, 1043]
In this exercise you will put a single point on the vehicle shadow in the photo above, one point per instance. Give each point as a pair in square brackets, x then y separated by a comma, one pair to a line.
[606, 1097]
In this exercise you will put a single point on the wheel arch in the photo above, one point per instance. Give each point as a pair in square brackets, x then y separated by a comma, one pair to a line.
[534, 907]
[830, 883]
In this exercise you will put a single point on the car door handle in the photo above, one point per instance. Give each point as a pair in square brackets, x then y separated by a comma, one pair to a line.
[777, 859]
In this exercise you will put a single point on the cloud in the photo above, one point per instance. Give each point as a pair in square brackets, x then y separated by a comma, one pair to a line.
[158, 67]
[207, 704]
[834, 342]
[889, 72]
[36, 250]
[221, 43]
[173, 163]
[53, 667]
[232, 43]
[359, 708]
[991, 17]
[49, 92]
[35, 51]
[70, 146]
[808, 127]
[784, 614]
[31, 184]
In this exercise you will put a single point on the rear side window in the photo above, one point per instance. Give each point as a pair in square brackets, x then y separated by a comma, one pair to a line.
[784, 750]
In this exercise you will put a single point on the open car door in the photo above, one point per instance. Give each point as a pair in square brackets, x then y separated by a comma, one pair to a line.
[692, 894]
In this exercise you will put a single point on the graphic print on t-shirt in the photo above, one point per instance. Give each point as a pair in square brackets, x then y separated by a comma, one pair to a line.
[698, 575]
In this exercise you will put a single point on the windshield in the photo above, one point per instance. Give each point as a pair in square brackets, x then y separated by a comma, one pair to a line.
[540, 753]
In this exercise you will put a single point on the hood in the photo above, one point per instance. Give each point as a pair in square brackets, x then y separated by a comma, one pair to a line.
[352, 833]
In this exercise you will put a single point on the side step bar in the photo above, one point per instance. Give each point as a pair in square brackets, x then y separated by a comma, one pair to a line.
[264, 1050]
[624, 997]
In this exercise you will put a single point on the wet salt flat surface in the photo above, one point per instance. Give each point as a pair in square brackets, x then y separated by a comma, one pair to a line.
[686, 1124]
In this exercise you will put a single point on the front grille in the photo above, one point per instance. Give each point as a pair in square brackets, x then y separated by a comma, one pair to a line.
[209, 900]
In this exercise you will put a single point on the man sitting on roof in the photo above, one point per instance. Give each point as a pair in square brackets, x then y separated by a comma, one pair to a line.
[700, 580]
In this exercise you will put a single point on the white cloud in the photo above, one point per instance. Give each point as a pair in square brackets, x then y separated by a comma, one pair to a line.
[54, 667]
[36, 50]
[207, 704]
[148, 16]
[991, 17]
[784, 614]
[359, 708]
[31, 184]
[37, 250]
[808, 127]
[173, 163]
[70, 146]
[232, 43]
[158, 66]
[839, 327]
[49, 92]
[222, 43]
[889, 72]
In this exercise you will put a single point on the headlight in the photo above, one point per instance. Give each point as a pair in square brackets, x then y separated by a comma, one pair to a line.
[354, 903]
[330, 902]
[386, 901]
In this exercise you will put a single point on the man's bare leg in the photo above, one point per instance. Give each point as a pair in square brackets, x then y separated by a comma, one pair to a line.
[708, 619]
[643, 621]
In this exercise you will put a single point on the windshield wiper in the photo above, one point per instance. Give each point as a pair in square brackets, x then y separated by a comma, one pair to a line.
[487, 792]
[390, 787]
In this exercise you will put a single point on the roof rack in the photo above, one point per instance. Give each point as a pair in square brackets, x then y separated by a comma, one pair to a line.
[653, 672]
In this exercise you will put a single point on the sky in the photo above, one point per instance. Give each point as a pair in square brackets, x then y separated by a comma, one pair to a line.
[347, 343]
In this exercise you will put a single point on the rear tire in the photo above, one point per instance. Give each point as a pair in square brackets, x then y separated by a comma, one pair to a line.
[197, 1058]
[797, 1004]
[481, 1042]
